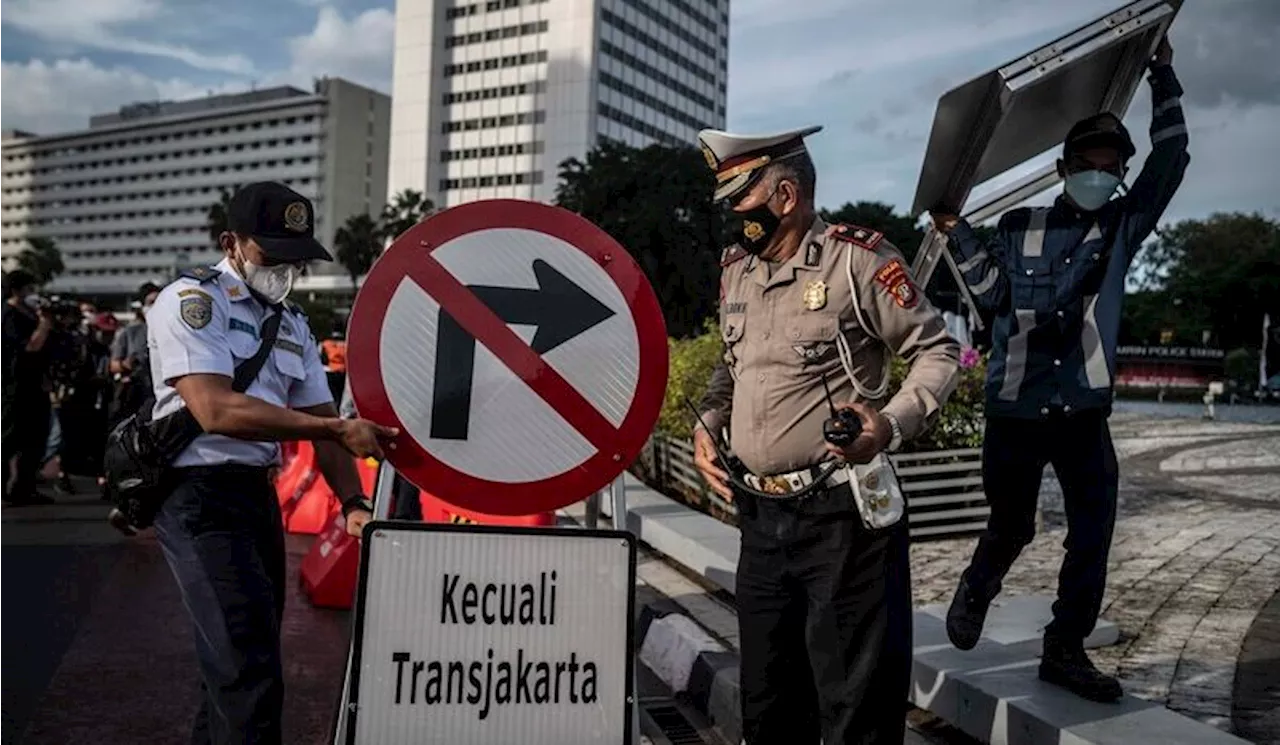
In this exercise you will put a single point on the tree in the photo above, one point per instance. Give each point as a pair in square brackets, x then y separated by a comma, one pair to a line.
[1222, 272]
[657, 203]
[406, 209]
[42, 260]
[357, 245]
[216, 217]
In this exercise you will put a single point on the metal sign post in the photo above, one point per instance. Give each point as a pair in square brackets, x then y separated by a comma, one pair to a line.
[500, 423]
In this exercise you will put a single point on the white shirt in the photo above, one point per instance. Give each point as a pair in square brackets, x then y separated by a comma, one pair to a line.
[210, 327]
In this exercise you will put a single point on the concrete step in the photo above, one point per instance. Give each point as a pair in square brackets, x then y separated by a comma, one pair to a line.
[993, 693]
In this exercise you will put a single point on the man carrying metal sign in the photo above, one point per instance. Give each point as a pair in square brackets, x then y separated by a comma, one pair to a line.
[1052, 283]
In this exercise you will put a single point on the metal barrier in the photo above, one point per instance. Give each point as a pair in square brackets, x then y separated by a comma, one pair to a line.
[943, 487]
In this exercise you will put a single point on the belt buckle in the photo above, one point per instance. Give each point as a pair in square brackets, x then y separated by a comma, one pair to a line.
[775, 485]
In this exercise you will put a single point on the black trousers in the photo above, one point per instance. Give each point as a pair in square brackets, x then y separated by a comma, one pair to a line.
[25, 442]
[1014, 454]
[223, 538]
[824, 615]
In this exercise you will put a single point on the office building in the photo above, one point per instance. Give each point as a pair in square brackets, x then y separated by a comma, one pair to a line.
[127, 200]
[489, 97]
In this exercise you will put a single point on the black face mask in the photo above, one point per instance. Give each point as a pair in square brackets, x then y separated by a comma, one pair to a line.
[755, 228]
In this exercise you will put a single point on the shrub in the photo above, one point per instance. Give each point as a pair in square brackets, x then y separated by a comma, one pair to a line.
[692, 361]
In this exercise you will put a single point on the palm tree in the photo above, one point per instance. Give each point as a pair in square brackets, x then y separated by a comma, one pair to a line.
[42, 260]
[408, 208]
[357, 245]
[217, 215]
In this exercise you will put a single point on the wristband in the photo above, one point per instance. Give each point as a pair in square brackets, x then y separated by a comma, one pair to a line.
[356, 502]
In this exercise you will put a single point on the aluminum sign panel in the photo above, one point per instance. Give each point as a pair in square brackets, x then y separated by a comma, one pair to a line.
[489, 636]
[1020, 110]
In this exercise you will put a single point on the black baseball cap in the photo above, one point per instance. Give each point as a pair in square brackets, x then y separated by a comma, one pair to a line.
[281, 220]
[1100, 130]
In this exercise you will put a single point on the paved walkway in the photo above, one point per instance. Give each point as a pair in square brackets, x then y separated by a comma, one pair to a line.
[1194, 567]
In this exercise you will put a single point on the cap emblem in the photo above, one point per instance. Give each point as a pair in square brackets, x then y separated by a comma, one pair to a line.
[295, 217]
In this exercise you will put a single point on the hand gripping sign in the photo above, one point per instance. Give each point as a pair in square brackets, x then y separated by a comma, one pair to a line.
[520, 351]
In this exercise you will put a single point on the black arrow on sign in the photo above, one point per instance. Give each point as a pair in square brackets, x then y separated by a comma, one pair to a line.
[559, 308]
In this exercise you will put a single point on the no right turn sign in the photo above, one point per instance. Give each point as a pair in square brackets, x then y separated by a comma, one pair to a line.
[520, 350]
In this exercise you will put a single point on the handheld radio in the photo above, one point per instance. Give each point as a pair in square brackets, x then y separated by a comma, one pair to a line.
[844, 426]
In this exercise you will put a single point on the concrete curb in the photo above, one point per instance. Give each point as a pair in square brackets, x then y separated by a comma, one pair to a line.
[696, 667]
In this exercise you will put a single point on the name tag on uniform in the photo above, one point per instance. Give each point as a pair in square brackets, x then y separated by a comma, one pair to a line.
[248, 328]
[289, 346]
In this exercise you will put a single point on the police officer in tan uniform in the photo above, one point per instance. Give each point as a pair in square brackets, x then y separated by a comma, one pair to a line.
[823, 584]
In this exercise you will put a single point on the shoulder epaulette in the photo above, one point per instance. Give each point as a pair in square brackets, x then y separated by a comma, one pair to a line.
[200, 274]
[294, 308]
[731, 254]
[858, 236]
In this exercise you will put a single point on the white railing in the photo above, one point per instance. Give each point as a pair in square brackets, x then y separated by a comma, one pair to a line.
[943, 487]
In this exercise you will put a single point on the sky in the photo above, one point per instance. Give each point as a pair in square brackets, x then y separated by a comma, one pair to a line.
[869, 71]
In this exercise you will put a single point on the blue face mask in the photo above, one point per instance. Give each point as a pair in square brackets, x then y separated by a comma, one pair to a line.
[1091, 189]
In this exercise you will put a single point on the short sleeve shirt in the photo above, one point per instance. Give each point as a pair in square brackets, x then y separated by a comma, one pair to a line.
[209, 327]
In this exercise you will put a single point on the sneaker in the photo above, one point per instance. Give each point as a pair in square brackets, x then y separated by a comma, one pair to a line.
[1065, 664]
[965, 618]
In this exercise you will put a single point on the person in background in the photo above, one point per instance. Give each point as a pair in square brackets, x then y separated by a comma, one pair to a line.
[1053, 281]
[86, 399]
[333, 353]
[27, 326]
[129, 357]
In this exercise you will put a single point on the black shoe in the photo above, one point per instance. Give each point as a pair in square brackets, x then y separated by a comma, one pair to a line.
[965, 618]
[1065, 664]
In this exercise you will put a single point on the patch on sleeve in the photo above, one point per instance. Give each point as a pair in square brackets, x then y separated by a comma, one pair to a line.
[731, 254]
[894, 279]
[858, 236]
[196, 310]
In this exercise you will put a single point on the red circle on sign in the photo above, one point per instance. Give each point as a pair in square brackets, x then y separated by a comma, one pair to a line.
[411, 254]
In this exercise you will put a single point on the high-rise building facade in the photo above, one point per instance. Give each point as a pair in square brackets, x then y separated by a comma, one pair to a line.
[127, 200]
[490, 96]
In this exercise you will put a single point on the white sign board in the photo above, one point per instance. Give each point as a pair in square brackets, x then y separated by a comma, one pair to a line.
[491, 635]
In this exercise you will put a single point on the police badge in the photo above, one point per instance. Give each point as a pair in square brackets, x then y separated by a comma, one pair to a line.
[295, 217]
[815, 295]
[196, 310]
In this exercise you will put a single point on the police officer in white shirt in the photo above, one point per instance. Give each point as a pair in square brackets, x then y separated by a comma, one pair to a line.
[220, 529]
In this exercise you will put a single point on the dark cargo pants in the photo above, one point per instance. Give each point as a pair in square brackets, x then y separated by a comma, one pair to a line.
[824, 614]
[223, 538]
[1014, 454]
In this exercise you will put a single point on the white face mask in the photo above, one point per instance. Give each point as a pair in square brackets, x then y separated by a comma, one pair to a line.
[32, 301]
[271, 282]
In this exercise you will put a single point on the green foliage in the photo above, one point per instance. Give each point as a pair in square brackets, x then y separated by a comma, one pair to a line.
[691, 362]
[1241, 366]
[216, 217]
[321, 317]
[1222, 273]
[356, 245]
[693, 359]
[959, 424]
[41, 259]
[406, 209]
[656, 202]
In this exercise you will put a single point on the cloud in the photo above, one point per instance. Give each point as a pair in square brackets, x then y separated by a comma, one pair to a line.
[61, 96]
[114, 26]
[359, 50]
[1226, 51]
